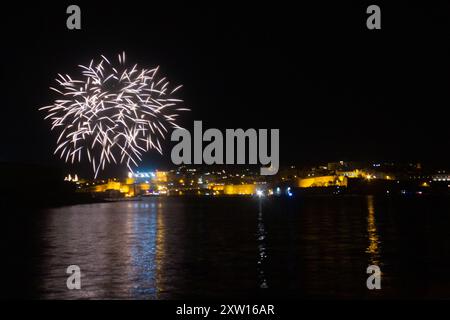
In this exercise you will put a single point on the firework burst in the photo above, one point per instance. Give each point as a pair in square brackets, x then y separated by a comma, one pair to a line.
[113, 114]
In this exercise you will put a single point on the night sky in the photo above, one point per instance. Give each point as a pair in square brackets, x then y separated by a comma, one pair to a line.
[336, 90]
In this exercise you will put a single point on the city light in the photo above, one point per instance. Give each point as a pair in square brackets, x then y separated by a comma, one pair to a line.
[288, 191]
[332, 179]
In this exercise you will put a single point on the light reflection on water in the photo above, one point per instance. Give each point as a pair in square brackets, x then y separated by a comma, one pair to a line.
[172, 248]
[143, 253]
[262, 253]
[117, 247]
[374, 240]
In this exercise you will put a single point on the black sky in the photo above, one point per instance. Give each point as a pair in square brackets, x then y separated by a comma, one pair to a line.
[335, 89]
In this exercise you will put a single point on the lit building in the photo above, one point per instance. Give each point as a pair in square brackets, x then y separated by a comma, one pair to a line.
[240, 189]
[441, 177]
[113, 185]
[323, 181]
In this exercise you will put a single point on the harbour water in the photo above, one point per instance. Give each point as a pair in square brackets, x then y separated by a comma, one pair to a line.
[234, 248]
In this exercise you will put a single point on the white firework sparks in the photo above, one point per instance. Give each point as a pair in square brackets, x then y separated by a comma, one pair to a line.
[114, 114]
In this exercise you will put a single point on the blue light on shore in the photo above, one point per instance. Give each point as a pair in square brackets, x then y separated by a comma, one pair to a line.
[288, 191]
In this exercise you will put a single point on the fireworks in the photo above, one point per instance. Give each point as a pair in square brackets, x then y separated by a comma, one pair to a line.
[113, 114]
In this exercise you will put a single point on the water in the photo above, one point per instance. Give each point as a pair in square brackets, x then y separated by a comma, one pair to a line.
[175, 248]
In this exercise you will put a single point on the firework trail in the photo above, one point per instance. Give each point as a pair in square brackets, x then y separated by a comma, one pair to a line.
[114, 114]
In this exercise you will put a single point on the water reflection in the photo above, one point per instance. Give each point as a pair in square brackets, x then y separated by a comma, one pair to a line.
[118, 248]
[262, 253]
[373, 248]
[160, 248]
[143, 253]
[179, 248]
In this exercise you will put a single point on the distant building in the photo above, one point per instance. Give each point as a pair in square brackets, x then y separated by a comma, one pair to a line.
[441, 177]
[345, 166]
[240, 189]
[323, 181]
